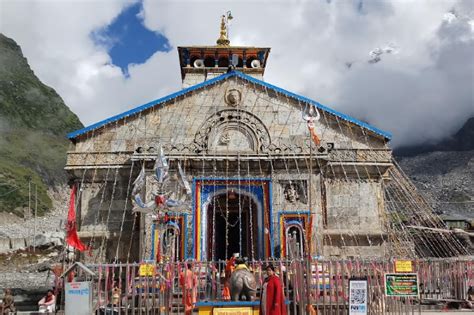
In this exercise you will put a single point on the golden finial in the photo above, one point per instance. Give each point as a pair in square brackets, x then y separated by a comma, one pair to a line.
[223, 39]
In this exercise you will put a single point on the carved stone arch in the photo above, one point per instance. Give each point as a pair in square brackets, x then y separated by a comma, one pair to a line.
[233, 130]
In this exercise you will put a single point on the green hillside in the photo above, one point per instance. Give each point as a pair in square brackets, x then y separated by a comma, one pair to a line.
[34, 122]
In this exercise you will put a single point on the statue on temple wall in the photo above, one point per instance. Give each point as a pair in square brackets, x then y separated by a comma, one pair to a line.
[291, 194]
[233, 97]
[294, 191]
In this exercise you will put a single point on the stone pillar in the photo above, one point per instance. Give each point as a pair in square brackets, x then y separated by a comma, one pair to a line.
[146, 237]
[316, 213]
[146, 232]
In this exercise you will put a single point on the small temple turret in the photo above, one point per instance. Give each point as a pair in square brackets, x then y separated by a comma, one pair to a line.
[201, 63]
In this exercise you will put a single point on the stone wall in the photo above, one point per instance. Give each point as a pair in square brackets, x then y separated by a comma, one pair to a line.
[179, 122]
[209, 125]
[354, 205]
[105, 212]
[11, 244]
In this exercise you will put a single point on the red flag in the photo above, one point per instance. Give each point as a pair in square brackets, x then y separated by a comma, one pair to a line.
[72, 239]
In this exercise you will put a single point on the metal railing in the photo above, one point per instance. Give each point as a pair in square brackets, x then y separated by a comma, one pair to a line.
[320, 284]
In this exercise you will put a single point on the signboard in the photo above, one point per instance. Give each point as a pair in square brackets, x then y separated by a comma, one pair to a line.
[146, 270]
[78, 298]
[232, 311]
[358, 296]
[403, 266]
[401, 284]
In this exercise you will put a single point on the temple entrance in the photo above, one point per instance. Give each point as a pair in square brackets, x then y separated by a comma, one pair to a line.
[232, 226]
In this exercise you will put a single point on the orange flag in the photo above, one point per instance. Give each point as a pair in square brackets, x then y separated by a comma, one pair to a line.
[314, 136]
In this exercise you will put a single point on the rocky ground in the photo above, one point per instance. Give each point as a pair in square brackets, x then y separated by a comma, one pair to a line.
[28, 269]
[446, 179]
[25, 268]
[14, 227]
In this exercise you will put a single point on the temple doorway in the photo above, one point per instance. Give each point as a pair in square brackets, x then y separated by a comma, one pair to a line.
[232, 226]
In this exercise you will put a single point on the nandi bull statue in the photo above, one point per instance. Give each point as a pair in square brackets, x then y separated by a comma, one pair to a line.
[242, 283]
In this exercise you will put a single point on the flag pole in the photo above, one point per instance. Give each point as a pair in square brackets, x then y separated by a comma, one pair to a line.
[36, 210]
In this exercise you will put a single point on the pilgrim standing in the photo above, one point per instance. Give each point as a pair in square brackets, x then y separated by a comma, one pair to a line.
[188, 281]
[272, 301]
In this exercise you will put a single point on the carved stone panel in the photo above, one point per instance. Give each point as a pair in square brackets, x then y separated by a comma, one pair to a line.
[233, 97]
[294, 191]
[233, 130]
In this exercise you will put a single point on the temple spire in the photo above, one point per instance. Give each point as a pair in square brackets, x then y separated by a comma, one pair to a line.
[223, 39]
[204, 62]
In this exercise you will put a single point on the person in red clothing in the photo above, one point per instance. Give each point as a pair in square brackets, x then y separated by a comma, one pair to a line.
[47, 303]
[272, 301]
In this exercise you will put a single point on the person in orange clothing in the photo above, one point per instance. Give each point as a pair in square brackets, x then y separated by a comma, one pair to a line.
[229, 268]
[188, 281]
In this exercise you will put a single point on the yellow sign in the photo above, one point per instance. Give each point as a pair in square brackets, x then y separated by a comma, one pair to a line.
[233, 311]
[403, 266]
[146, 270]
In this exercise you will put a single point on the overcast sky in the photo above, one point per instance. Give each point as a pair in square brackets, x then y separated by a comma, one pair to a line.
[404, 66]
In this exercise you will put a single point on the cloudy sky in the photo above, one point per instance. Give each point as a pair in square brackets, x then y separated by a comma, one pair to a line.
[405, 66]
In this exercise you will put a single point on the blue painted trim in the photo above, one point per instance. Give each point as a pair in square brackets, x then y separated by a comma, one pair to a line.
[270, 195]
[261, 247]
[146, 106]
[230, 303]
[282, 212]
[152, 255]
[193, 205]
[230, 179]
[378, 131]
[217, 79]
[185, 219]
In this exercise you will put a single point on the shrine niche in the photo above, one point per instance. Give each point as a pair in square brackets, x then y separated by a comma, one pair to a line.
[294, 228]
[294, 191]
[233, 130]
[232, 137]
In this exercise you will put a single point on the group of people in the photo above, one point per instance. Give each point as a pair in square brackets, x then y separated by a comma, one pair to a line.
[47, 304]
[272, 299]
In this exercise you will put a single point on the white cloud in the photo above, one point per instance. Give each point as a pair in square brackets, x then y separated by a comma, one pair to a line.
[423, 92]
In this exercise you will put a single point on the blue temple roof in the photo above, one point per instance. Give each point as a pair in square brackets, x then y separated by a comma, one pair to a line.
[215, 80]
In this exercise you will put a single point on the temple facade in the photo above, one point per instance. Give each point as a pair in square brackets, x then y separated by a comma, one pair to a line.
[271, 173]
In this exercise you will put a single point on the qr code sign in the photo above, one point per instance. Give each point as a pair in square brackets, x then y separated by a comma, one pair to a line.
[358, 296]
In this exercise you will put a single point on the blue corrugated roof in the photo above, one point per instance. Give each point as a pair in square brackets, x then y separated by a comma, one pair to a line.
[222, 77]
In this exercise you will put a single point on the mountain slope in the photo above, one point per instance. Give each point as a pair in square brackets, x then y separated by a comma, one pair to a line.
[444, 172]
[463, 140]
[33, 124]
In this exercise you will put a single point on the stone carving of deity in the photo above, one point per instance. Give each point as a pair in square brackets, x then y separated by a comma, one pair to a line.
[224, 139]
[233, 97]
[291, 193]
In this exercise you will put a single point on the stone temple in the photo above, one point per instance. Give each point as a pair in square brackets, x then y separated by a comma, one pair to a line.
[272, 173]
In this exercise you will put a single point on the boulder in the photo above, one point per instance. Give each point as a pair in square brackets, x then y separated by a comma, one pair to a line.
[5, 244]
[54, 238]
[17, 243]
